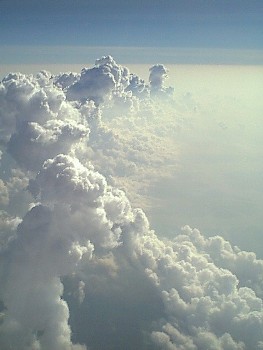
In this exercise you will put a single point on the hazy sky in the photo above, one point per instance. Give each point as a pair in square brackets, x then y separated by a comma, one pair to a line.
[232, 25]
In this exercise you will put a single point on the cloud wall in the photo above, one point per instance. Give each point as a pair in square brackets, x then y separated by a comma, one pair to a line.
[80, 266]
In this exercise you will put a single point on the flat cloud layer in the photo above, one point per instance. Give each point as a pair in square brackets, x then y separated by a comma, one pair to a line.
[80, 267]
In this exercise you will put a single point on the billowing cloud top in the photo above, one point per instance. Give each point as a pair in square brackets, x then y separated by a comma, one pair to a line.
[99, 82]
[80, 267]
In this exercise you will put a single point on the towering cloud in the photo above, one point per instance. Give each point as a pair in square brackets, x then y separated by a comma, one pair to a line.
[158, 74]
[101, 82]
[80, 267]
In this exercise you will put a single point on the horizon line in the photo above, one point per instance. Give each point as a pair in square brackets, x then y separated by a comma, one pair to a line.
[70, 54]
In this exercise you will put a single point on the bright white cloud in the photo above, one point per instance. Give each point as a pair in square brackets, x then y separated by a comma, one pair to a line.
[82, 269]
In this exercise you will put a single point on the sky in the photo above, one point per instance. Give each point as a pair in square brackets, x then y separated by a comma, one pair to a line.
[41, 31]
[131, 175]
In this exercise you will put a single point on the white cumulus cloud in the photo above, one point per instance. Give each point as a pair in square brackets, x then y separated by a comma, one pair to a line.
[80, 266]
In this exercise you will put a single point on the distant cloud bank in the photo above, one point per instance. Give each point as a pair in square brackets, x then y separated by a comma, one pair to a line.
[129, 55]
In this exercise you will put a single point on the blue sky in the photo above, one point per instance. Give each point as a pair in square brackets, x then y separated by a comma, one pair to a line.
[207, 24]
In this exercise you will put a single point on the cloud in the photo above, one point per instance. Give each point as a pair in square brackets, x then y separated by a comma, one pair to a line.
[8, 226]
[201, 299]
[36, 316]
[27, 98]
[4, 196]
[33, 143]
[158, 73]
[100, 82]
[80, 266]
